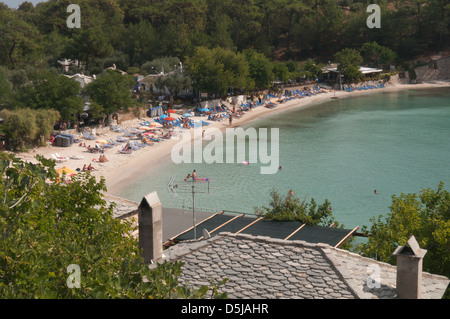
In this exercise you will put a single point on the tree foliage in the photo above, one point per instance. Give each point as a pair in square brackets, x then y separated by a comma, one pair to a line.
[45, 228]
[112, 91]
[19, 40]
[375, 55]
[425, 215]
[216, 70]
[279, 29]
[292, 207]
[349, 61]
[26, 127]
[48, 90]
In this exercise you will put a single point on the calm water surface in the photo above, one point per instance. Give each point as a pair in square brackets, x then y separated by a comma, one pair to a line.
[340, 150]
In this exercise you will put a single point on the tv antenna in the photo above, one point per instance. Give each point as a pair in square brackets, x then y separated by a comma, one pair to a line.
[192, 186]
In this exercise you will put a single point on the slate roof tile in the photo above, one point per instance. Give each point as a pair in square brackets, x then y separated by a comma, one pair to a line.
[263, 267]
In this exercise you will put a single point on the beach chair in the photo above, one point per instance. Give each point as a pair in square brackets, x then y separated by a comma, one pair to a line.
[122, 151]
[126, 133]
[77, 157]
[88, 136]
[112, 142]
[121, 139]
[59, 159]
[134, 147]
[140, 144]
[116, 128]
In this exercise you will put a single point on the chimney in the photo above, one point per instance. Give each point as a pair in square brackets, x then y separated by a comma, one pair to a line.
[150, 228]
[409, 269]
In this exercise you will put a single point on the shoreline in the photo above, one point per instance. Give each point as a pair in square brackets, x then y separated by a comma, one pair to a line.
[122, 169]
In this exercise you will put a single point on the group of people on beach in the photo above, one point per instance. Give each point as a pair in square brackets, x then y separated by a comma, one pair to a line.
[89, 168]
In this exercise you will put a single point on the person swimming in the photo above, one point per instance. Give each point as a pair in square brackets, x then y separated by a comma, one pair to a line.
[375, 192]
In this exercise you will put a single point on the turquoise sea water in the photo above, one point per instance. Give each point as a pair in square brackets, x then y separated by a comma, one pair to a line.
[341, 150]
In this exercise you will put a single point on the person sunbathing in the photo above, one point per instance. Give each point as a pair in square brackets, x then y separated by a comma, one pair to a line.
[102, 159]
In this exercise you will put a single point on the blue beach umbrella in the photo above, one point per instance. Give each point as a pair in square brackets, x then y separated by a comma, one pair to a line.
[163, 116]
[187, 115]
[203, 109]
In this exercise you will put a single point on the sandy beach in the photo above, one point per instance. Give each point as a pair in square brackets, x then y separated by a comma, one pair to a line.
[121, 169]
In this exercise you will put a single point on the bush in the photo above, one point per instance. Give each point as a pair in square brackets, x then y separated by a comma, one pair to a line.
[292, 208]
[26, 127]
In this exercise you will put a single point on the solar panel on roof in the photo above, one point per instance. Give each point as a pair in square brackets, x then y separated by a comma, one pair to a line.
[290, 230]
[274, 229]
[318, 234]
[208, 224]
[235, 225]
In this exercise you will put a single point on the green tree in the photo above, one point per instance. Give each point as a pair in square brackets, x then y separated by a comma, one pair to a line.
[217, 70]
[141, 42]
[349, 61]
[46, 228]
[19, 41]
[281, 72]
[175, 83]
[6, 92]
[89, 44]
[261, 69]
[312, 68]
[26, 127]
[289, 13]
[112, 91]
[19, 127]
[425, 215]
[159, 65]
[376, 55]
[293, 208]
[219, 25]
[52, 91]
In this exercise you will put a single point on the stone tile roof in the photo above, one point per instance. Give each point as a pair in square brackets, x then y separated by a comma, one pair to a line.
[263, 267]
[123, 207]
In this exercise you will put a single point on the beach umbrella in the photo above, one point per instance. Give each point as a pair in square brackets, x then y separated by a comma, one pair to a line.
[187, 115]
[168, 119]
[171, 111]
[203, 109]
[163, 116]
[146, 128]
[155, 124]
[102, 142]
[65, 170]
